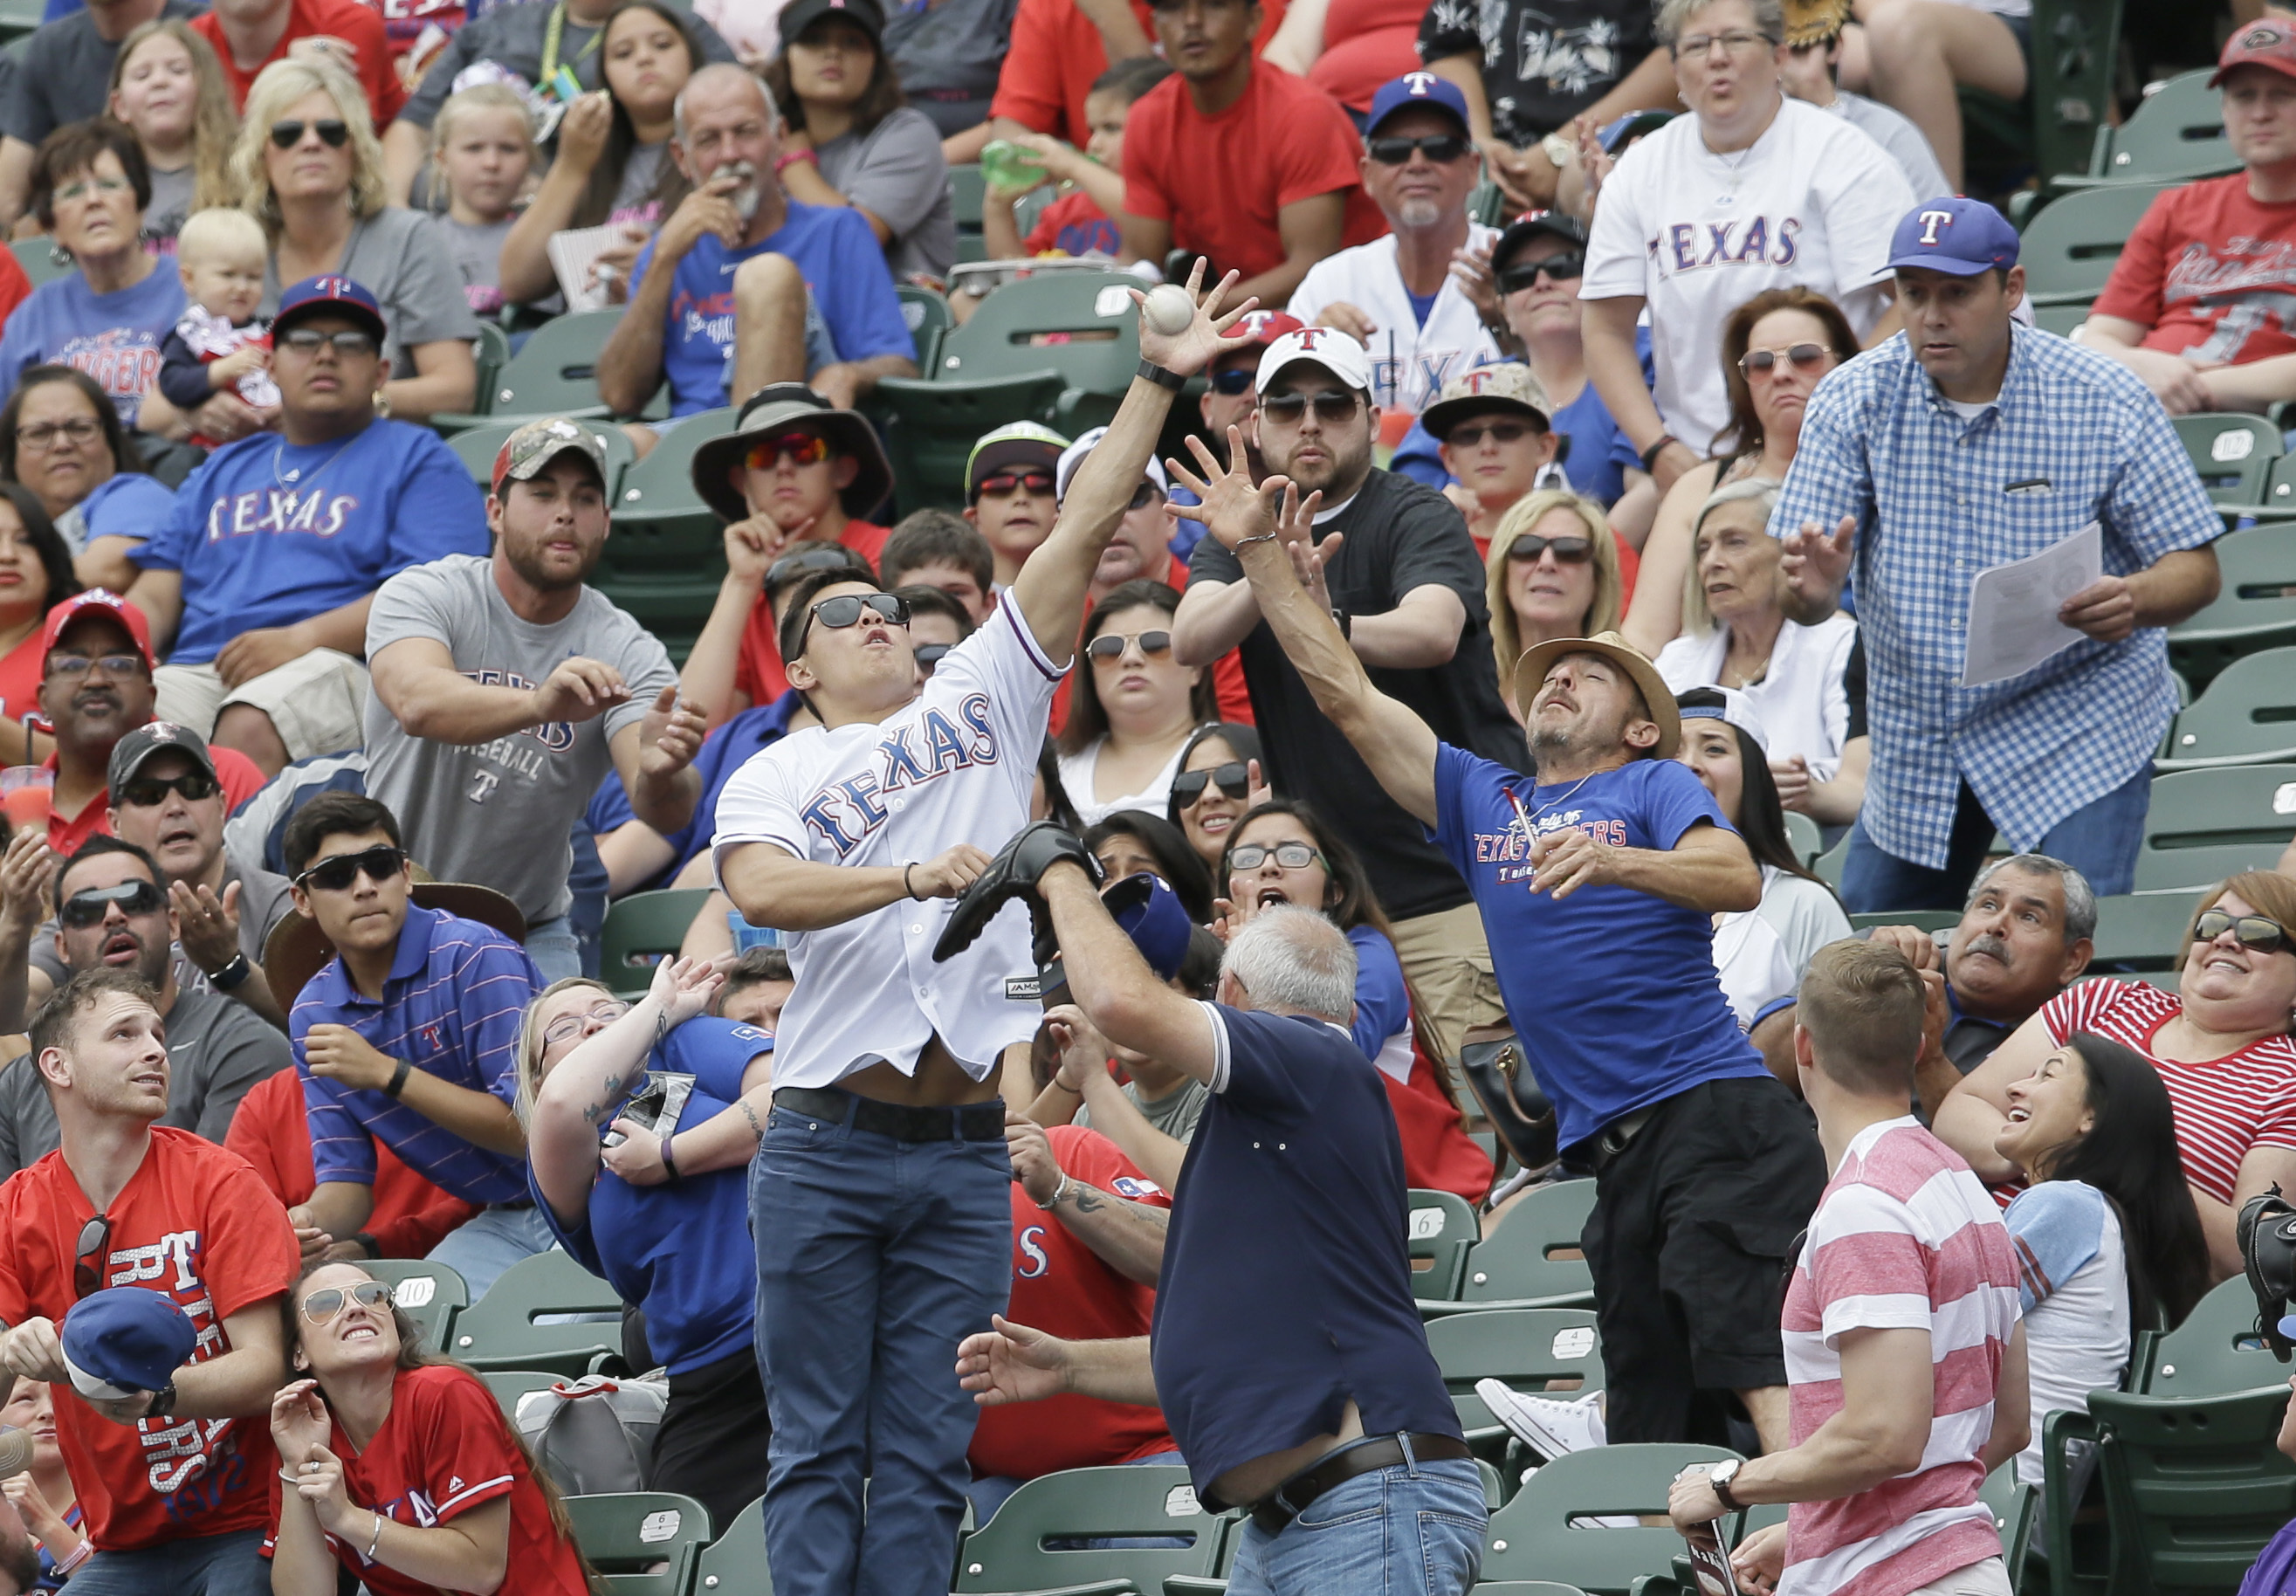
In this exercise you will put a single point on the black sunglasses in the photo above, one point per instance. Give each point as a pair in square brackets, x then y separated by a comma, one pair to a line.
[85, 909]
[846, 609]
[1287, 408]
[1561, 265]
[1235, 379]
[1804, 357]
[1234, 780]
[789, 567]
[1441, 148]
[1110, 645]
[2256, 934]
[149, 791]
[1568, 551]
[1144, 495]
[94, 1241]
[333, 133]
[381, 863]
[1467, 434]
[929, 656]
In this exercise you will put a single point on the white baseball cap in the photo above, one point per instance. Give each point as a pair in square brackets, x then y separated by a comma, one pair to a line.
[1736, 708]
[1327, 347]
[1073, 457]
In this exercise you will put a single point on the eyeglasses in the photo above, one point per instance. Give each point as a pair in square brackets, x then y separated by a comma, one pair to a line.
[930, 654]
[1234, 780]
[94, 1241]
[328, 1302]
[1286, 409]
[2256, 934]
[72, 192]
[1803, 356]
[306, 341]
[1568, 551]
[1468, 434]
[1108, 646]
[803, 448]
[80, 664]
[1737, 42]
[1235, 379]
[1292, 856]
[566, 1027]
[1563, 265]
[46, 434]
[1441, 148]
[847, 609]
[381, 863]
[1006, 482]
[805, 562]
[85, 909]
[150, 792]
[333, 133]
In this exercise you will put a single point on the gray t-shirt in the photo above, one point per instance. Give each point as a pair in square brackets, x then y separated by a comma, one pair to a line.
[641, 173]
[171, 203]
[402, 261]
[63, 74]
[898, 174]
[217, 1049]
[476, 249]
[499, 813]
[948, 57]
[1897, 135]
[1175, 1114]
[512, 36]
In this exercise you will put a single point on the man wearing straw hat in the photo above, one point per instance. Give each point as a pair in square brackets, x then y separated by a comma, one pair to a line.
[1595, 880]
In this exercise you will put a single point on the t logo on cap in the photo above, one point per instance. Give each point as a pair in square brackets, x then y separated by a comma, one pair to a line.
[1422, 84]
[1931, 220]
[1309, 337]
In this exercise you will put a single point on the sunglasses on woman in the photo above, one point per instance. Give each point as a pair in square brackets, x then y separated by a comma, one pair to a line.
[85, 909]
[150, 792]
[1568, 551]
[333, 133]
[847, 609]
[1292, 856]
[381, 863]
[1803, 356]
[2256, 934]
[327, 1302]
[803, 448]
[1234, 780]
[1560, 266]
[1287, 408]
[1108, 646]
[1441, 148]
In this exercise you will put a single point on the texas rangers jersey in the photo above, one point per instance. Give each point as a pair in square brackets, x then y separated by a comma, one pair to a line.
[1410, 361]
[957, 765]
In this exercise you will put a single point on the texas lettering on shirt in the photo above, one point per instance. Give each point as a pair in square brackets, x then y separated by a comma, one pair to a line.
[844, 813]
[1763, 243]
[1509, 850]
[190, 1463]
[320, 513]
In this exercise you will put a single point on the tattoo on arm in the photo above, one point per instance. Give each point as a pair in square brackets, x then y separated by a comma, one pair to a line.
[1087, 1199]
[613, 1092]
[750, 1114]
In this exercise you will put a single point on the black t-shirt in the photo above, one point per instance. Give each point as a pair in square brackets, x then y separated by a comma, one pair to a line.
[1399, 536]
[1853, 684]
[1543, 60]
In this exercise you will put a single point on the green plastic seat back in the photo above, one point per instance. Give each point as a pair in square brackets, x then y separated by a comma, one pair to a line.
[498, 1330]
[662, 522]
[933, 425]
[508, 1385]
[2206, 825]
[1520, 1261]
[2138, 932]
[1803, 837]
[2231, 453]
[1542, 1533]
[643, 1543]
[1827, 866]
[1525, 1587]
[1443, 1229]
[490, 352]
[1009, 1552]
[556, 371]
[2278, 499]
[734, 1564]
[2176, 134]
[642, 929]
[1082, 324]
[2249, 709]
[2254, 609]
[2194, 1486]
[39, 259]
[430, 1293]
[2214, 1351]
[2069, 250]
[1522, 1347]
[927, 315]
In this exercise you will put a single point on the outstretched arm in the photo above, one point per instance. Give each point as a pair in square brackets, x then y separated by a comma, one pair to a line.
[1271, 529]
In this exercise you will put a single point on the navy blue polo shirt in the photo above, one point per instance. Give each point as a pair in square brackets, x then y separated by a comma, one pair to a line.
[681, 1251]
[451, 1005]
[1286, 1286]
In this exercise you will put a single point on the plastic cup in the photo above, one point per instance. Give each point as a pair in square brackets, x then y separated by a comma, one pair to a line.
[24, 794]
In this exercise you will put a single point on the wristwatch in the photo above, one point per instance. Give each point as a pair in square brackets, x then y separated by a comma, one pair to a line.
[1162, 376]
[1344, 621]
[163, 1401]
[1723, 1473]
[1557, 149]
[233, 976]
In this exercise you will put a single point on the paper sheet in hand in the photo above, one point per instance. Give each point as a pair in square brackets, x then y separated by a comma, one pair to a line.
[571, 253]
[2012, 608]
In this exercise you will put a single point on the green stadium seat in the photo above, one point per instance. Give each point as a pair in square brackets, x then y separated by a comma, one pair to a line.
[1517, 1265]
[2214, 1351]
[1920, 919]
[19, 18]
[2069, 95]
[2194, 1486]
[2247, 715]
[2176, 135]
[2139, 932]
[2206, 825]
[1522, 1348]
[642, 929]
[673, 524]
[1010, 1551]
[928, 320]
[499, 1331]
[2255, 608]
[1828, 864]
[734, 1563]
[2061, 320]
[2276, 500]
[491, 351]
[556, 374]
[1803, 837]
[1525, 1587]
[2012, 1506]
[2232, 453]
[1542, 1533]
[430, 1293]
[476, 448]
[39, 259]
[1443, 1228]
[640, 1542]
[2069, 249]
[929, 428]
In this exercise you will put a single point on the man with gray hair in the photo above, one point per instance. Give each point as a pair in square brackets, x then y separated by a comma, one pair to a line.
[717, 305]
[1273, 1412]
[2024, 937]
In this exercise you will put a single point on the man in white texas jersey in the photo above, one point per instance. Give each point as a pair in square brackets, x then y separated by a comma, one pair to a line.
[881, 1177]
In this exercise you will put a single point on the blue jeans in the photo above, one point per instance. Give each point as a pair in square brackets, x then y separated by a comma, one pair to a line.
[197, 1565]
[556, 950]
[2100, 839]
[1400, 1531]
[875, 1257]
[489, 1242]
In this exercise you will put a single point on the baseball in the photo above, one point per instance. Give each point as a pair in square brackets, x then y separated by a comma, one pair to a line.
[1169, 309]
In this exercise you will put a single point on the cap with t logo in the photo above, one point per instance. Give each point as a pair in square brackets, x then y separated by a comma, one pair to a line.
[1956, 236]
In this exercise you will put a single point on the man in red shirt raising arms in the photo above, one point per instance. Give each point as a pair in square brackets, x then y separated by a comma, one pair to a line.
[175, 1484]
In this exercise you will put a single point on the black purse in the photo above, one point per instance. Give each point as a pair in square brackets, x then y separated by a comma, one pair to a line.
[1499, 1075]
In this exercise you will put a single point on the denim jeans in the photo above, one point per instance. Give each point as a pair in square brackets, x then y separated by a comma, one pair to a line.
[196, 1565]
[2100, 839]
[489, 1242]
[875, 1257]
[1399, 1531]
[556, 950]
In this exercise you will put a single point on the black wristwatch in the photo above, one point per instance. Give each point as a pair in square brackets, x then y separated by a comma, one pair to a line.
[233, 976]
[163, 1401]
[1162, 376]
[398, 1082]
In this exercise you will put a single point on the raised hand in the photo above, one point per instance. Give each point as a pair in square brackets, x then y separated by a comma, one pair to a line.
[1815, 561]
[946, 875]
[1232, 508]
[683, 987]
[670, 735]
[577, 689]
[300, 1424]
[1190, 351]
[26, 871]
[208, 925]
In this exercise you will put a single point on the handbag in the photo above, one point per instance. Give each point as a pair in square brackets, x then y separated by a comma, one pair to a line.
[596, 1434]
[1498, 1073]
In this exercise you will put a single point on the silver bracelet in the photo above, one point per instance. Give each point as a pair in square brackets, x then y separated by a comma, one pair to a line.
[376, 1540]
[1263, 538]
[1058, 1192]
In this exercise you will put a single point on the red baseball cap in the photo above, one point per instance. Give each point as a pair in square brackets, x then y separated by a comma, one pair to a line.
[1259, 329]
[2266, 42]
[108, 603]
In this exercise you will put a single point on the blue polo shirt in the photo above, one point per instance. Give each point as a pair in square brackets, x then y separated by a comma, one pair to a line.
[680, 1251]
[451, 1005]
[1613, 991]
[1264, 1330]
[723, 752]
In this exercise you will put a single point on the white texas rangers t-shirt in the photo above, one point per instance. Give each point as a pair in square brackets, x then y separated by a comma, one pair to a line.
[1410, 362]
[1812, 202]
[956, 766]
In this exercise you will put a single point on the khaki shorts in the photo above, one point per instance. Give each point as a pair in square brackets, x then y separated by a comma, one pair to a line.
[317, 703]
[1449, 966]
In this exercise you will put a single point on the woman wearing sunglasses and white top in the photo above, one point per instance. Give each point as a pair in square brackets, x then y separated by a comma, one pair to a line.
[1553, 572]
[1134, 706]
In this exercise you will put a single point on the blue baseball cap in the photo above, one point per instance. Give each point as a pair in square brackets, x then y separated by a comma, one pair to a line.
[1956, 236]
[1416, 88]
[331, 291]
[125, 1340]
[1149, 912]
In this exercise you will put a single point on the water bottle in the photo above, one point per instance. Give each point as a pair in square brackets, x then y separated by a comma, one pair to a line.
[1010, 167]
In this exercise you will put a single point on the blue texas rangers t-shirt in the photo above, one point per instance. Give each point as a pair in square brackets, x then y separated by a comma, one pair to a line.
[268, 533]
[839, 257]
[1612, 991]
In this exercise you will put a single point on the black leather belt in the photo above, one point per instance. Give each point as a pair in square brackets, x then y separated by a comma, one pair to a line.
[1277, 1509]
[903, 1122]
[1611, 1140]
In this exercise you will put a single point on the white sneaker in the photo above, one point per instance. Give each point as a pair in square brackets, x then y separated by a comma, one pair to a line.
[1547, 1426]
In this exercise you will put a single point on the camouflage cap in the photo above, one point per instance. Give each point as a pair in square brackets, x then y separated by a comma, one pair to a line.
[525, 452]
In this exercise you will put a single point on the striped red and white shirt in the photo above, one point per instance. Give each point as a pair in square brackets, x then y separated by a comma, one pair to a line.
[1905, 1237]
[2223, 1107]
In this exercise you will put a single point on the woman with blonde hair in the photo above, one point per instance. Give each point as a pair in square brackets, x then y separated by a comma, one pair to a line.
[168, 88]
[308, 168]
[1553, 572]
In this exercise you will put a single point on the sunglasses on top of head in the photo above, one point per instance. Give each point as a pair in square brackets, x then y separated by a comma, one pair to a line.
[1563, 265]
[2257, 934]
[381, 863]
[333, 133]
[1233, 778]
[847, 609]
[1441, 148]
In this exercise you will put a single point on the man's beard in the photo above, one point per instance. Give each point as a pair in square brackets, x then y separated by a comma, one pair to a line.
[1418, 213]
[745, 199]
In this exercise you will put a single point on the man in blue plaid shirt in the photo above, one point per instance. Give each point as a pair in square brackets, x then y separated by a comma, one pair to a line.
[1966, 442]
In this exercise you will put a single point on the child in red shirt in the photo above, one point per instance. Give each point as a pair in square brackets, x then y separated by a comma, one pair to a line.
[1077, 222]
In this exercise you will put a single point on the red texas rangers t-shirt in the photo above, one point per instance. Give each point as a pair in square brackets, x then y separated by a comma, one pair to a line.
[194, 1223]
